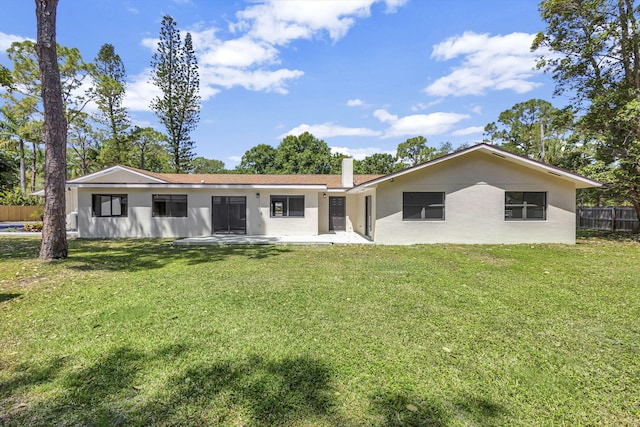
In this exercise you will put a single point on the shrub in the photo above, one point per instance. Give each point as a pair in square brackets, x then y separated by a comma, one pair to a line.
[38, 214]
[18, 198]
[35, 227]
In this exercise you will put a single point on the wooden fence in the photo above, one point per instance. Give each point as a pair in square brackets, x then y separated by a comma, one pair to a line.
[18, 213]
[614, 218]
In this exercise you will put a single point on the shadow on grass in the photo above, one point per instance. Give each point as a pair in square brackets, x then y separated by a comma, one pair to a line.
[610, 236]
[398, 409]
[135, 254]
[266, 392]
[8, 297]
[13, 247]
[112, 391]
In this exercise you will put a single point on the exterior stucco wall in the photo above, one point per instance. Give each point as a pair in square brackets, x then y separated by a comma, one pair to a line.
[356, 211]
[474, 187]
[287, 226]
[139, 221]
[352, 206]
[323, 213]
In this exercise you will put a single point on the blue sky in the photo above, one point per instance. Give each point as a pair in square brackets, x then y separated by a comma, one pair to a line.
[361, 75]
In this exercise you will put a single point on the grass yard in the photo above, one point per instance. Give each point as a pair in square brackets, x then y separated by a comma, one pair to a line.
[137, 332]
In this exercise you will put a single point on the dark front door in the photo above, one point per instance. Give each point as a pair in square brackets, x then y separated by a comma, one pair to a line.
[337, 213]
[229, 214]
[367, 216]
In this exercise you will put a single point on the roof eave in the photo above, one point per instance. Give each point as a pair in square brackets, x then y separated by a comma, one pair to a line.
[110, 170]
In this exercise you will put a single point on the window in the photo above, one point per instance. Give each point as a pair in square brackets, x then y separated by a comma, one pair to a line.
[283, 206]
[106, 205]
[525, 206]
[423, 206]
[174, 205]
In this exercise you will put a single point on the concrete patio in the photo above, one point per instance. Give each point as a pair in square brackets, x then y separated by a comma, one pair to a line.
[339, 238]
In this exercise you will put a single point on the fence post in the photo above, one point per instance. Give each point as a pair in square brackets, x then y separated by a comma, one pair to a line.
[613, 218]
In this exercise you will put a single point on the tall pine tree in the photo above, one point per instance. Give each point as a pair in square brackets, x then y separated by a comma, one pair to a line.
[110, 84]
[175, 72]
[54, 234]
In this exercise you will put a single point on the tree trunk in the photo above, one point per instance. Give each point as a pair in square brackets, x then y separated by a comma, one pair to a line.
[34, 166]
[23, 168]
[54, 233]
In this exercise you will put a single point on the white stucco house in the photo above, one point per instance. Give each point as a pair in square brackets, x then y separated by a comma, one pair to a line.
[482, 194]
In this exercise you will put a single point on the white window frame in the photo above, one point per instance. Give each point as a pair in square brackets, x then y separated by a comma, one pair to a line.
[424, 205]
[508, 207]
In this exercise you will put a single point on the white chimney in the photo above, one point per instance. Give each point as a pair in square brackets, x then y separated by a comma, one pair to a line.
[347, 172]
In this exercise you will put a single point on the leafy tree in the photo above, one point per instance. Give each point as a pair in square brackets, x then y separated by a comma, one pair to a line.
[16, 197]
[13, 134]
[8, 167]
[109, 90]
[203, 165]
[175, 72]
[336, 163]
[148, 150]
[443, 149]
[259, 159]
[54, 234]
[35, 135]
[84, 144]
[377, 163]
[533, 128]
[24, 99]
[413, 150]
[21, 103]
[594, 54]
[74, 72]
[303, 154]
[5, 77]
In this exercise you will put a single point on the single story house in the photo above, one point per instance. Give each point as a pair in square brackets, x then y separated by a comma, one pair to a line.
[481, 194]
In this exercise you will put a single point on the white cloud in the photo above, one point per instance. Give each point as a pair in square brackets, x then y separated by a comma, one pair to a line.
[468, 131]
[242, 52]
[488, 63]
[236, 159]
[150, 43]
[420, 106]
[418, 124]
[140, 92]
[393, 5]
[477, 109]
[258, 80]
[360, 153]
[330, 130]
[250, 59]
[279, 22]
[355, 103]
[7, 39]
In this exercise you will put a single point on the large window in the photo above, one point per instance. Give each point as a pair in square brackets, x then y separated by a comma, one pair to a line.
[107, 205]
[525, 206]
[287, 206]
[174, 205]
[423, 206]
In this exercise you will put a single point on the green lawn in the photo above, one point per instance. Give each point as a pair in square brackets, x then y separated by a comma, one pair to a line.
[137, 332]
